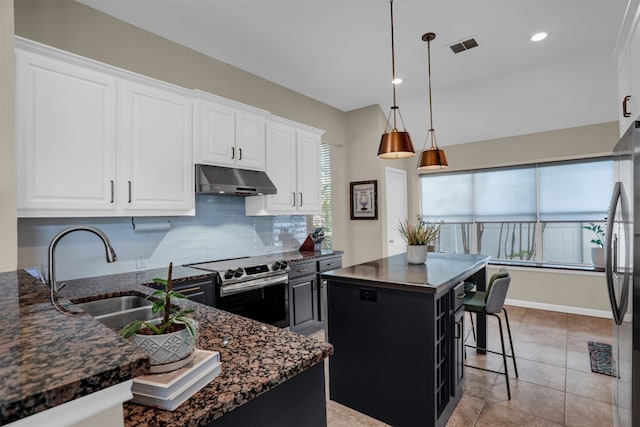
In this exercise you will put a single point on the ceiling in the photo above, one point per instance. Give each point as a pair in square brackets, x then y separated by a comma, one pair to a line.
[339, 51]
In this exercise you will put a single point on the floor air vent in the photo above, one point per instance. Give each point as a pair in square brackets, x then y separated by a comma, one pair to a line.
[464, 45]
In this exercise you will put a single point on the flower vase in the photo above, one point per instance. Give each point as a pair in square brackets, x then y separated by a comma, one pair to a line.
[417, 254]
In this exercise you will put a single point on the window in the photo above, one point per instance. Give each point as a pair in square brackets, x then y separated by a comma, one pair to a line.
[324, 219]
[529, 213]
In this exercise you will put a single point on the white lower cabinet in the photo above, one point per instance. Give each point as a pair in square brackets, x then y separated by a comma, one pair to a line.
[293, 164]
[92, 140]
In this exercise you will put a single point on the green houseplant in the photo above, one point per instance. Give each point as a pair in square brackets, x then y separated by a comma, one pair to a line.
[597, 253]
[418, 236]
[170, 340]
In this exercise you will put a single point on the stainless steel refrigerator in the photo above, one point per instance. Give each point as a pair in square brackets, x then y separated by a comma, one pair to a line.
[623, 278]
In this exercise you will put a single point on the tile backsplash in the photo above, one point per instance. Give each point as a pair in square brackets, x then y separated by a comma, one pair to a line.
[219, 230]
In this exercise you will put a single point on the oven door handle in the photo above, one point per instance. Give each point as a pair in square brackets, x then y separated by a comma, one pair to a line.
[252, 285]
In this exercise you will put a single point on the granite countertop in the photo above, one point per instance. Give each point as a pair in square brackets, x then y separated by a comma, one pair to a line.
[48, 358]
[80, 355]
[293, 256]
[439, 272]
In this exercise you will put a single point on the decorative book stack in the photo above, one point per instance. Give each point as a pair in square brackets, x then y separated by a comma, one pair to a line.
[171, 389]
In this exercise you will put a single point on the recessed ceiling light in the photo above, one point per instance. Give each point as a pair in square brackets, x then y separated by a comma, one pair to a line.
[538, 36]
[396, 81]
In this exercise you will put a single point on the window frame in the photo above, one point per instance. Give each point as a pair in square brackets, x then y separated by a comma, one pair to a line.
[539, 225]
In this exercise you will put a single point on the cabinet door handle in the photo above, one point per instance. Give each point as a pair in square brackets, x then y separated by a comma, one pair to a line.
[625, 112]
[302, 270]
[233, 152]
[129, 184]
[300, 199]
[313, 285]
[457, 335]
[294, 199]
[112, 190]
[240, 150]
[461, 296]
[183, 291]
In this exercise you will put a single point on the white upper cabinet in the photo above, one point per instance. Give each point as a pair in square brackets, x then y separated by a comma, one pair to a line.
[229, 134]
[93, 140]
[65, 137]
[293, 164]
[627, 53]
[156, 170]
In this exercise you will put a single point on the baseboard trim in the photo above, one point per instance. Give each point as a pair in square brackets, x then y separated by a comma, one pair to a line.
[559, 308]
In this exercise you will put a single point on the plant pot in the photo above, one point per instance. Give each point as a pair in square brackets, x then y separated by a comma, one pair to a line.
[167, 350]
[597, 257]
[417, 254]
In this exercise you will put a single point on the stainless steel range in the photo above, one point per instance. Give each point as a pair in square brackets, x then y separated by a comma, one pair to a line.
[254, 287]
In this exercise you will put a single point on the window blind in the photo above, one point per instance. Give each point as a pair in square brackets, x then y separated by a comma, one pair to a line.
[447, 198]
[324, 219]
[505, 195]
[575, 191]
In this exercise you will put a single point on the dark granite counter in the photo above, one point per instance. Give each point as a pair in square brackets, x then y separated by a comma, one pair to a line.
[308, 255]
[48, 358]
[439, 272]
[79, 355]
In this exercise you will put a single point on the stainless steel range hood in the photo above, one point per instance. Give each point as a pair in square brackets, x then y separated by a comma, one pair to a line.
[231, 181]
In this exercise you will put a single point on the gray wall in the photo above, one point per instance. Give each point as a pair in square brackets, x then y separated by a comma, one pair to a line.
[8, 229]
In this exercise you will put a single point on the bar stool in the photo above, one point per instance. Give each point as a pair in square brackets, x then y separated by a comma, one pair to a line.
[491, 302]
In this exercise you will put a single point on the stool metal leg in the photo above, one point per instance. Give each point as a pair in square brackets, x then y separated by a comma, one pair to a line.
[513, 354]
[504, 356]
[473, 327]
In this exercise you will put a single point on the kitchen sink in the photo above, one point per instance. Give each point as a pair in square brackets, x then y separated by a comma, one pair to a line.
[116, 312]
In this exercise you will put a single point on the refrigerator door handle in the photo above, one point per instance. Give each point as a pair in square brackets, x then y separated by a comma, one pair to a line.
[609, 253]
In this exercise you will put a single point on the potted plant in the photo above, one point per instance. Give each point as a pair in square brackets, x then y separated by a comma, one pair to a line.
[418, 236]
[597, 252]
[170, 340]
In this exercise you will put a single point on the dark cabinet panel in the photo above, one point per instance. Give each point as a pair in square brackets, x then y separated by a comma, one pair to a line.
[304, 303]
[325, 265]
[380, 367]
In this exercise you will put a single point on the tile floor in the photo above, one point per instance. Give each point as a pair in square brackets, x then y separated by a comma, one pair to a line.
[555, 386]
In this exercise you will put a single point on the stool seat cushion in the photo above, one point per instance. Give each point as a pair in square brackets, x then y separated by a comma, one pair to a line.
[475, 302]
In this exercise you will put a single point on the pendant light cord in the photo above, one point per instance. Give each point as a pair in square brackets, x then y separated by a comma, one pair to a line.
[429, 74]
[393, 70]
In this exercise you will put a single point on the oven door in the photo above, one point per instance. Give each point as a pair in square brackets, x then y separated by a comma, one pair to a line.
[265, 300]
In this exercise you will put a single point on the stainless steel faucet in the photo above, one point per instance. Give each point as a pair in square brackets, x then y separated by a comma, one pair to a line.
[111, 254]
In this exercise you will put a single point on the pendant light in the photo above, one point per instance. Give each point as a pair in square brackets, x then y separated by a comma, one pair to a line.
[432, 158]
[394, 144]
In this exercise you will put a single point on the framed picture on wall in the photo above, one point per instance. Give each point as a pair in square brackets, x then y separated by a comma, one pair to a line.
[364, 200]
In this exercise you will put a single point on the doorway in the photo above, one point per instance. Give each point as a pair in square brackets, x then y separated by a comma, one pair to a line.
[396, 196]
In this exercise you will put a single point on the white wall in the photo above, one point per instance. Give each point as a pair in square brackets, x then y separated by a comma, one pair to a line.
[574, 91]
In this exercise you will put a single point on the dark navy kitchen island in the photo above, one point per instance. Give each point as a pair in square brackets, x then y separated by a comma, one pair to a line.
[397, 331]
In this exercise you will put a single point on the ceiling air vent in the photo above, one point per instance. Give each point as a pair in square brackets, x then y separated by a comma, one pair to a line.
[464, 45]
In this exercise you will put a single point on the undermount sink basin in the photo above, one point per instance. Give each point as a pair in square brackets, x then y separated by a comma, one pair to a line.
[117, 312]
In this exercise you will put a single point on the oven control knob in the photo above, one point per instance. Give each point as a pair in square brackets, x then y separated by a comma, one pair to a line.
[229, 274]
[276, 266]
[239, 272]
[283, 265]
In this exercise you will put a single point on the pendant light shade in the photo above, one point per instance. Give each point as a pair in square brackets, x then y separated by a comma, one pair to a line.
[394, 144]
[432, 158]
